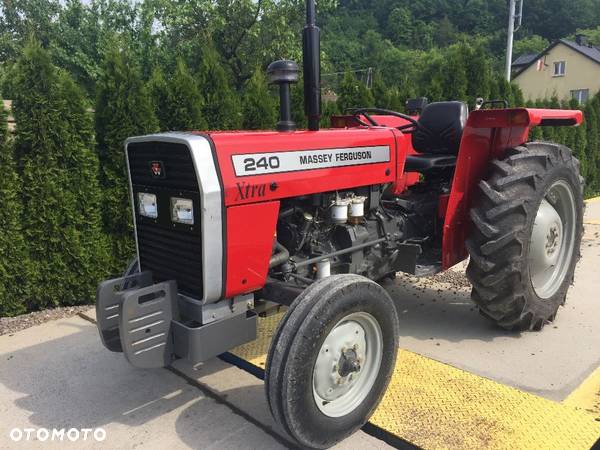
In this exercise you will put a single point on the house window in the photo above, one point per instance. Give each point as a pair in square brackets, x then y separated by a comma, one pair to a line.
[560, 68]
[581, 95]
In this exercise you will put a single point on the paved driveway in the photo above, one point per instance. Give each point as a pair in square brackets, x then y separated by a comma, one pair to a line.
[58, 375]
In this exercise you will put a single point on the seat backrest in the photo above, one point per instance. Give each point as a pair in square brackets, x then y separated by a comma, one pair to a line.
[441, 128]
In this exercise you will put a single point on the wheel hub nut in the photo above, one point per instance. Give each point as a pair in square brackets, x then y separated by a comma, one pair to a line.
[552, 240]
[349, 363]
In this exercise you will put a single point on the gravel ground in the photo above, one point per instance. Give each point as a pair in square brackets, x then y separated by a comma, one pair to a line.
[9, 325]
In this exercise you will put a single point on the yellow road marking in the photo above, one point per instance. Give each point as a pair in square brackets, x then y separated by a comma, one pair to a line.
[435, 406]
[593, 200]
[591, 222]
[587, 395]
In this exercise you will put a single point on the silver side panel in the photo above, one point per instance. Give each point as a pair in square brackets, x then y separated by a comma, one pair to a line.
[211, 199]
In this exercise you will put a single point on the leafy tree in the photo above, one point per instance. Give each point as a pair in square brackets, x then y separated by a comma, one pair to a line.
[123, 109]
[530, 44]
[592, 35]
[259, 109]
[60, 217]
[353, 93]
[14, 262]
[222, 109]
[400, 26]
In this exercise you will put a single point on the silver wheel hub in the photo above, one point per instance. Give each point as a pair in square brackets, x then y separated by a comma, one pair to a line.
[552, 240]
[347, 364]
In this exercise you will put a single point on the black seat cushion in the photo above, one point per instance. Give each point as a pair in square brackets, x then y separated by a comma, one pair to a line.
[441, 125]
[428, 162]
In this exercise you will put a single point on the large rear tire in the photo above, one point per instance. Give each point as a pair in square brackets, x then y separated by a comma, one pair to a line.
[526, 235]
[331, 359]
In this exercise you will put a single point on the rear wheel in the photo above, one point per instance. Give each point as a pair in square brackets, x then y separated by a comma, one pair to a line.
[331, 359]
[526, 235]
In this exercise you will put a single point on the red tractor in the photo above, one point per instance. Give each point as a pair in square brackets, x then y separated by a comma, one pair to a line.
[230, 224]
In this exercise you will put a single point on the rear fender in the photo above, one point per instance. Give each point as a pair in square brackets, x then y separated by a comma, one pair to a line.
[487, 136]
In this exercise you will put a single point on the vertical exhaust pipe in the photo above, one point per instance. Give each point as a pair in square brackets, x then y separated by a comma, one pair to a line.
[311, 54]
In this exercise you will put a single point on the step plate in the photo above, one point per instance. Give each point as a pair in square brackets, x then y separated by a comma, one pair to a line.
[433, 405]
[145, 324]
[108, 306]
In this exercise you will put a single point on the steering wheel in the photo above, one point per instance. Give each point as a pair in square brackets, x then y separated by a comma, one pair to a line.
[413, 125]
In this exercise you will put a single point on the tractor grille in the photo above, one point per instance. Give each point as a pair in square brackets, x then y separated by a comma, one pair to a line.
[171, 251]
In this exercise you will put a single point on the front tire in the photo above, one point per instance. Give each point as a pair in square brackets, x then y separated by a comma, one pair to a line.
[526, 235]
[331, 359]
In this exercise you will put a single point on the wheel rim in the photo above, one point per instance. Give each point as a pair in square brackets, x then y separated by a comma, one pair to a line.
[552, 240]
[347, 364]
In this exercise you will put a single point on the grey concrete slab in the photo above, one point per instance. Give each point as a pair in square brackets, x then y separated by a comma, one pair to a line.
[247, 393]
[58, 375]
[438, 320]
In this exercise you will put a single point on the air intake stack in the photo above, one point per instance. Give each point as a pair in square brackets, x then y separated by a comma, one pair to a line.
[311, 52]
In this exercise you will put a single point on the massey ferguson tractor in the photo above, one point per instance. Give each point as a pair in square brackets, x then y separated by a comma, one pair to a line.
[229, 225]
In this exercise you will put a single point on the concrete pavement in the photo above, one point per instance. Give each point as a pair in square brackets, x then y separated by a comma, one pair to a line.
[58, 375]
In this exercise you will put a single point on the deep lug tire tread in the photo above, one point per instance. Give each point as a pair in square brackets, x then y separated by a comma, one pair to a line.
[502, 218]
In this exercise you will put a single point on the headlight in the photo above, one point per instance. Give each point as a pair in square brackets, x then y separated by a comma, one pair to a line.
[182, 210]
[147, 205]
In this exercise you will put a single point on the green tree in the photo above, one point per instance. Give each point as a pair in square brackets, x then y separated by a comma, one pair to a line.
[183, 108]
[14, 262]
[529, 45]
[328, 109]
[353, 93]
[592, 120]
[60, 219]
[158, 89]
[259, 108]
[222, 109]
[123, 109]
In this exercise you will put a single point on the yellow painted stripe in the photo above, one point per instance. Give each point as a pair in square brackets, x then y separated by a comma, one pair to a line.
[587, 395]
[593, 200]
[436, 406]
[591, 222]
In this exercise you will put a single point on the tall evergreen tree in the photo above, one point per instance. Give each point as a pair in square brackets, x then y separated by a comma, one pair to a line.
[259, 108]
[60, 216]
[222, 109]
[14, 262]
[123, 109]
[328, 109]
[158, 89]
[592, 118]
[184, 102]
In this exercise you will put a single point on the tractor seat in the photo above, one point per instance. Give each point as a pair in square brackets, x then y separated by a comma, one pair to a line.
[437, 139]
[428, 162]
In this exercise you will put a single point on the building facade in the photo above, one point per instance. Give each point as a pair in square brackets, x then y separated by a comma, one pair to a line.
[565, 69]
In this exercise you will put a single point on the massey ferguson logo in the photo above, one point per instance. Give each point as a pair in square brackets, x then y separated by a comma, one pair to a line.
[156, 167]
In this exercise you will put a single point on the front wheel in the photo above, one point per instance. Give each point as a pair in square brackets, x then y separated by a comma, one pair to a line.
[331, 359]
[528, 223]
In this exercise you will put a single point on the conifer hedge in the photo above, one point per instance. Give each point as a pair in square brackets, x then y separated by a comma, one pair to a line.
[259, 108]
[14, 263]
[123, 109]
[60, 194]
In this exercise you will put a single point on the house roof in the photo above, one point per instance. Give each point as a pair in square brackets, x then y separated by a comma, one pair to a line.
[592, 52]
[524, 59]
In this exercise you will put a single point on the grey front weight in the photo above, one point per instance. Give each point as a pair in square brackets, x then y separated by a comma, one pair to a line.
[109, 298]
